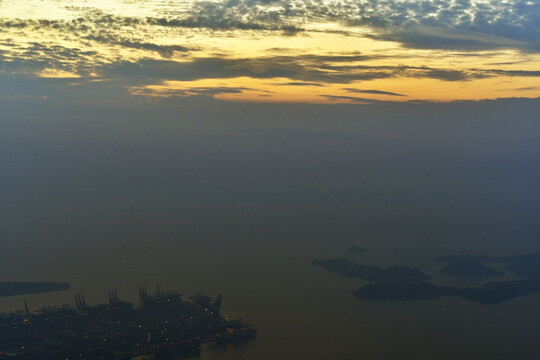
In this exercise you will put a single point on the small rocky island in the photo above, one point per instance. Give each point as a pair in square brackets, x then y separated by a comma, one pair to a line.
[22, 288]
[162, 326]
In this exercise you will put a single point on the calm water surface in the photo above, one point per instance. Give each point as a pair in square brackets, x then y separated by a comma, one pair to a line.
[242, 208]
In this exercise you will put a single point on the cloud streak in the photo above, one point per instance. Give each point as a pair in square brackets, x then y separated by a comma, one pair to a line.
[308, 69]
[376, 92]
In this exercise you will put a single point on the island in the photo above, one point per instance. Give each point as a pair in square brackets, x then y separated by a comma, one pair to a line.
[489, 293]
[162, 326]
[394, 274]
[524, 265]
[405, 283]
[22, 288]
[468, 268]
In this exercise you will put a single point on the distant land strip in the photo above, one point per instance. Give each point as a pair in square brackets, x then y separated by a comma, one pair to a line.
[21, 288]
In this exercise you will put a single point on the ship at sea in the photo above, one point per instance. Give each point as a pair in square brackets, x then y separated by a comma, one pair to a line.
[162, 326]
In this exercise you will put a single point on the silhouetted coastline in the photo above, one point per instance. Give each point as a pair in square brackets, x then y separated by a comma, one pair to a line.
[22, 288]
[394, 274]
[404, 283]
[467, 268]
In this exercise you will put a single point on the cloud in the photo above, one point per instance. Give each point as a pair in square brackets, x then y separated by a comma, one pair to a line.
[439, 24]
[101, 28]
[165, 51]
[208, 15]
[430, 37]
[36, 57]
[375, 92]
[518, 73]
[467, 25]
[528, 88]
[354, 99]
[98, 42]
[198, 68]
[297, 83]
[214, 18]
[446, 23]
[195, 91]
[299, 69]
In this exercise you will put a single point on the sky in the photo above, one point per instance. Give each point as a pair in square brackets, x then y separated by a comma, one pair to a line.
[317, 51]
[384, 104]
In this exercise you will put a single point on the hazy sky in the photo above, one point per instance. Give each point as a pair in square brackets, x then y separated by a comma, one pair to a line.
[272, 51]
[155, 103]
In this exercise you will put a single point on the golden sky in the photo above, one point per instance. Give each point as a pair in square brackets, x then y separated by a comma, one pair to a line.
[279, 51]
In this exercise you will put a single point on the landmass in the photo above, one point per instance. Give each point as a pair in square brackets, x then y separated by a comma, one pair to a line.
[394, 274]
[468, 257]
[163, 326]
[489, 293]
[467, 268]
[524, 265]
[404, 283]
[356, 250]
[21, 288]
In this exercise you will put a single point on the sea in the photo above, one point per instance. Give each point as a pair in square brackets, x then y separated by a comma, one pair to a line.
[240, 204]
